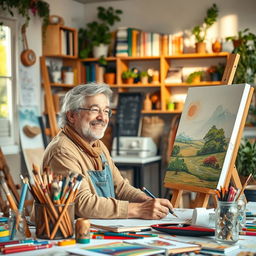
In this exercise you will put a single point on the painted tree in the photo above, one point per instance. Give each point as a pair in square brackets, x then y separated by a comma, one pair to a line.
[215, 142]
[176, 150]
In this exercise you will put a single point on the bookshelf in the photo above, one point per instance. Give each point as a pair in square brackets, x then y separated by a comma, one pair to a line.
[60, 45]
[60, 49]
[161, 64]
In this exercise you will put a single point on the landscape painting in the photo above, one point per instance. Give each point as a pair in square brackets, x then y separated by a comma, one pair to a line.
[206, 135]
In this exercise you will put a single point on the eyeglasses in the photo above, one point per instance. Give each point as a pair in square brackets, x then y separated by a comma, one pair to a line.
[96, 111]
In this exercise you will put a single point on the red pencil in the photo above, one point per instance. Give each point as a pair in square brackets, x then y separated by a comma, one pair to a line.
[112, 237]
[247, 233]
[25, 248]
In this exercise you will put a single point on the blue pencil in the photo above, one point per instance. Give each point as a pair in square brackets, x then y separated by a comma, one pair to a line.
[21, 205]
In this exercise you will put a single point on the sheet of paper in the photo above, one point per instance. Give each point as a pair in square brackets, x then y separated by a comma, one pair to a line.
[185, 215]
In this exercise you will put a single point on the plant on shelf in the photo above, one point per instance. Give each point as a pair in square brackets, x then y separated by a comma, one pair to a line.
[216, 72]
[245, 45]
[194, 77]
[246, 159]
[97, 33]
[110, 70]
[200, 31]
[27, 7]
[143, 77]
[129, 75]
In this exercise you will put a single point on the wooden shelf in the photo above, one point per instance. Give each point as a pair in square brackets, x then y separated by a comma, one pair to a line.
[138, 85]
[62, 85]
[203, 83]
[197, 55]
[160, 63]
[62, 56]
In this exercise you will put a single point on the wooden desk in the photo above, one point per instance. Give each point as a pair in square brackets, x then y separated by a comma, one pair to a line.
[138, 165]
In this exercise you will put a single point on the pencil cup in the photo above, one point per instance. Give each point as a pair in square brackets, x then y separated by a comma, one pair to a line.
[82, 231]
[226, 224]
[54, 222]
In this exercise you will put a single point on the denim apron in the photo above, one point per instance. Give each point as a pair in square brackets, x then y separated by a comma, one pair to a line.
[103, 180]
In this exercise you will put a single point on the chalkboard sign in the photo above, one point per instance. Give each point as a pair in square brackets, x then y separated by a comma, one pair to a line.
[128, 114]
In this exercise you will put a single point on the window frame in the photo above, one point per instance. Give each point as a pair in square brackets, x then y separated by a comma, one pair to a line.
[8, 142]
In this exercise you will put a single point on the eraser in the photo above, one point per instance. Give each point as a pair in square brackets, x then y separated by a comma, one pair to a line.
[67, 242]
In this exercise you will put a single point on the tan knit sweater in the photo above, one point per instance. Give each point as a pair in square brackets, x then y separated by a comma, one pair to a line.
[63, 156]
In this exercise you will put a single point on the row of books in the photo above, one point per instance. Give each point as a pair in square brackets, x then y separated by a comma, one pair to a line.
[67, 42]
[93, 73]
[136, 43]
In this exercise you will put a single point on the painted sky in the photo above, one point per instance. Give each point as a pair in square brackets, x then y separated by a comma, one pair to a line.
[204, 105]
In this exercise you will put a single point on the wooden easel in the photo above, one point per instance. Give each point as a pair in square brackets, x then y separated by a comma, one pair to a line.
[203, 194]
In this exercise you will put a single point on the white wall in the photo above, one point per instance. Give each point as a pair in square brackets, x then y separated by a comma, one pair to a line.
[168, 16]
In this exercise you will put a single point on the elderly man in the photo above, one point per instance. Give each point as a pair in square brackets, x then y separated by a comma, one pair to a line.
[77, 148]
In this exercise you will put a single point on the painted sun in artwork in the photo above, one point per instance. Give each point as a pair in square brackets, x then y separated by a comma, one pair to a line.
[193, 110]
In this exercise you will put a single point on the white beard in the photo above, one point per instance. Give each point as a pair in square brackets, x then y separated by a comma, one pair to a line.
[89, 133]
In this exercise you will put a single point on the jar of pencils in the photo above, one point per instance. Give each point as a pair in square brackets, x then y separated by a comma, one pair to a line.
[54, 221]
[226, 224]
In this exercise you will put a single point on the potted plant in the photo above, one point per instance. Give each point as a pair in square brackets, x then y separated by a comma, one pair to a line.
[110, 72]
[245, 44]
[96, 37]
[194, 77]
[128, 76]
[246, 165]
[200, 31]
[27, 7]
[143, 77]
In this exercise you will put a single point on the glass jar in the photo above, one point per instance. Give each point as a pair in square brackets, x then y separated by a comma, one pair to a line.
[226, 224]
[241, 204]
[16, 225]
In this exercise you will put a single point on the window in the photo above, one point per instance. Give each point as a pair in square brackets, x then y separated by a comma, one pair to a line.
[7, 81]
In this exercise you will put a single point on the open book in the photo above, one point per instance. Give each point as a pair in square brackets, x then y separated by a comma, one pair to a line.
[117, 249]
[171, 246]
[143, 247]
[215, 248]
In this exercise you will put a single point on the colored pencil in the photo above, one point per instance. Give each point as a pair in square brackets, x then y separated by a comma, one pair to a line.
[245, 233]
[25, 248]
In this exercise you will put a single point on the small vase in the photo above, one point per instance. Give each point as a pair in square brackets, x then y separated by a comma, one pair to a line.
[201, 47]
[216, 46]
[144, 80]
[147, 104]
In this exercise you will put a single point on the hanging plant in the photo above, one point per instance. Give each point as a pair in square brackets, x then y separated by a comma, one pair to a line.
[27, 7]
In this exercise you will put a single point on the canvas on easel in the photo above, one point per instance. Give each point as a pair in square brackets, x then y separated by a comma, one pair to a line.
[206, 139]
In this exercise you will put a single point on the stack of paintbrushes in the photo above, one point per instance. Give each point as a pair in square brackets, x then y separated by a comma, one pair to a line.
[54, 203]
